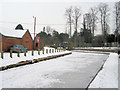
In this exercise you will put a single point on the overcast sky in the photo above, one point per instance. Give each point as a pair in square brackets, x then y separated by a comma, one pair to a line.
[47, 12]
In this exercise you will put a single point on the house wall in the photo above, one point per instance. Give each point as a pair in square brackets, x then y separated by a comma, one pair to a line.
[8, 42]
[26, 41]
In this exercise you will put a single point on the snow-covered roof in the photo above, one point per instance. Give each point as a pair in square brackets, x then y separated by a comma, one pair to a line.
[12, 32]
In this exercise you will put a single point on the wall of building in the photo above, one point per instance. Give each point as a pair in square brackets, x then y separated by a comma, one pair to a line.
[26, 41]
[36, 45]
[8, 42]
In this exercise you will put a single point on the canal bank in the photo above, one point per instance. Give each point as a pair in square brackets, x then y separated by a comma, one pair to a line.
[21, 63]
[107, 77]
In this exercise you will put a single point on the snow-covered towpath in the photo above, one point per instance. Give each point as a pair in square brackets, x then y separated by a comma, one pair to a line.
[108, 76]
[7, 60]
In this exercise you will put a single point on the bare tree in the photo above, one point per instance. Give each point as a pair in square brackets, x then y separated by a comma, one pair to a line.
[68, 14]
[91, 20]
[104, 13]
[94, 19]
[117, 14]
[76, 16]
[48, 28]
[88, 20]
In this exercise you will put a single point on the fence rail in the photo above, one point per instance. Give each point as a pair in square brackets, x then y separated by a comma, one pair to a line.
[43, 51]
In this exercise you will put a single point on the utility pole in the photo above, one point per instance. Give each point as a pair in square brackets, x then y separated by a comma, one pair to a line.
[34, 29]
[34, 25]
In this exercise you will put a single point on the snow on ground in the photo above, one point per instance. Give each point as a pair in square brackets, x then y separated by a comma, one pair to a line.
[44, 74]
[86, 51]
[0, 81]
[108, 76]
[7, 60]
[105, 48]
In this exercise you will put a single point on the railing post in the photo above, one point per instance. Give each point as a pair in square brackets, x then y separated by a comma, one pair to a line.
[18, 53]
[11, 53]
[52, 50]
[43, 50]
[32, 52]
[47, 51]
[25, 53]
[2, 54]
[38, 51]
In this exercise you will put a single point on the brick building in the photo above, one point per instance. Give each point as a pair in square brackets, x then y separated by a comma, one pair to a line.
[19, 37]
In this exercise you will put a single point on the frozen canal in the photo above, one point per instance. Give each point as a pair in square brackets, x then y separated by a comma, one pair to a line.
[71, 71]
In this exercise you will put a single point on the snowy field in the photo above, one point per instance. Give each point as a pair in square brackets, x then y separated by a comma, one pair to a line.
[15, 59]
[71, 71]
[104, 48]
[108, 76]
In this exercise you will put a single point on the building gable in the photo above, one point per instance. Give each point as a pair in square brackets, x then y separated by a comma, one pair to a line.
[27, 40]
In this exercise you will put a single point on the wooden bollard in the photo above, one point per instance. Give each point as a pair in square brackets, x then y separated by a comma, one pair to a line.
[11, 53]
[47, 51]
[18, 53]
[56, 50]
[43, 51]
[52, 50]
[32, 52]
[2, 54]
[25, 53]
[38, 51]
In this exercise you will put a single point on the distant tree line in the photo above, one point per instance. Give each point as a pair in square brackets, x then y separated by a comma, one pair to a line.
[96, 16]
[54, 40]
[85, 36]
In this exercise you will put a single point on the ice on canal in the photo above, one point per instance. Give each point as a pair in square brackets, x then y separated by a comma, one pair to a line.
[71, 71]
